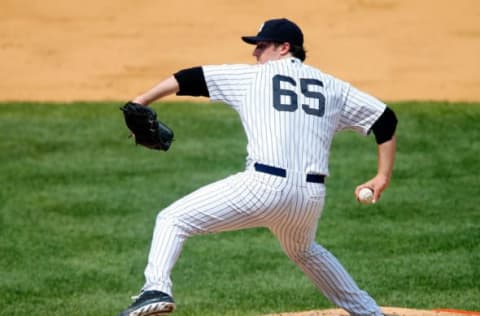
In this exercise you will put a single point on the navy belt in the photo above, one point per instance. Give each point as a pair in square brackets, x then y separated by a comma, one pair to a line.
[314, 178]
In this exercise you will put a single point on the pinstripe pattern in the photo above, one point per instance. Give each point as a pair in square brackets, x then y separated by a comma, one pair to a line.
[291, 140]
[296, 138]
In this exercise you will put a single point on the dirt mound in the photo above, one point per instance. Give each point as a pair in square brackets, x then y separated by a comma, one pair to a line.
[390, 311]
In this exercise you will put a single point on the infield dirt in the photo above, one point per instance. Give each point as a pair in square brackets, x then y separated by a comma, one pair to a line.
[55, 50]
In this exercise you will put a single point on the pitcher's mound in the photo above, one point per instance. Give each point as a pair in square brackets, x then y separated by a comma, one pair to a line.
[389, 311]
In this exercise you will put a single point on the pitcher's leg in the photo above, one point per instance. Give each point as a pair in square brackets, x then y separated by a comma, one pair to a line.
[225, 205]
[327, 273]
[167, 243]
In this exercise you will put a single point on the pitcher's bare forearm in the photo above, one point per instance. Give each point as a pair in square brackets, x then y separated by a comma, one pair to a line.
[164, 88]
[386, 158]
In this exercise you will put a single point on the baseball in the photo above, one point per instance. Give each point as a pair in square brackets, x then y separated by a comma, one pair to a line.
[365, 195]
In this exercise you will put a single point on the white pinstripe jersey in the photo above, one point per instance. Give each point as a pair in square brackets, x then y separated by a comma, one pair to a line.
[290, 111]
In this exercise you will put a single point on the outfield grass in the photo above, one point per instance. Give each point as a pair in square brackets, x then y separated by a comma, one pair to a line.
[78, 201]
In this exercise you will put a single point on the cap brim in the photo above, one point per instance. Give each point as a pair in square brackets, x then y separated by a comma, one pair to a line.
[251, 39]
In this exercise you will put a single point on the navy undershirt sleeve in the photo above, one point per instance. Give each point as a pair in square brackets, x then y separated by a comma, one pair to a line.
[192, 82]
[385, 126]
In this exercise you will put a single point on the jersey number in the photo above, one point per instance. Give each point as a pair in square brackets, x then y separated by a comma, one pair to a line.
[291, 100]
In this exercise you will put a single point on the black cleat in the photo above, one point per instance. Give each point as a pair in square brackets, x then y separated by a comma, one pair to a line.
[150, 303]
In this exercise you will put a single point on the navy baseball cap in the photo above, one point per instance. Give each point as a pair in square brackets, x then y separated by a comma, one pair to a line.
[277, 30]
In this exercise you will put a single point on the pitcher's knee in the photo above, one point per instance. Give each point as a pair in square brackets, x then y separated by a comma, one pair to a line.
[171, 222]
[305, 254]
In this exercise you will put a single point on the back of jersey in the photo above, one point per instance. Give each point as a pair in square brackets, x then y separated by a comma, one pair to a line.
[290, 111]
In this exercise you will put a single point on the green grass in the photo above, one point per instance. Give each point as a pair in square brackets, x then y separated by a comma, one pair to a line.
[78, 202]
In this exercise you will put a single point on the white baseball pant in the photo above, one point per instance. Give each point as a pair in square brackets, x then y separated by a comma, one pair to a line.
[289, 207]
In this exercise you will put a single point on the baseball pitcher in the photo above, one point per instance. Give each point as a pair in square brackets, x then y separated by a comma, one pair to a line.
[290, 112]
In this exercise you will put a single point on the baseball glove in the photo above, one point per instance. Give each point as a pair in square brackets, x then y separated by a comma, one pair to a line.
[146, 129]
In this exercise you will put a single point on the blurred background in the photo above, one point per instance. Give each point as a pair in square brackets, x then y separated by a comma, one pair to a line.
[92, 50]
